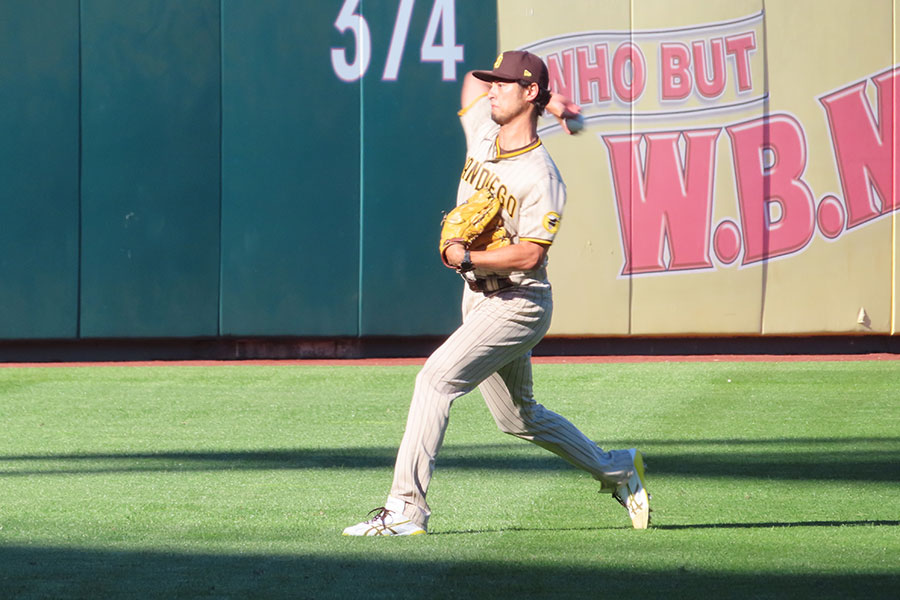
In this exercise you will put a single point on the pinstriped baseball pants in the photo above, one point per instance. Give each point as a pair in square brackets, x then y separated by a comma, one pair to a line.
[491, 350]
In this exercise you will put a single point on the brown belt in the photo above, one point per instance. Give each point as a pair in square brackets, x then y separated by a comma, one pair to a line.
[487, 286]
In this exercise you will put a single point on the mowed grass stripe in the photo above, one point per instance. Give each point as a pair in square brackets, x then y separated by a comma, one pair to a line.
[768, 480]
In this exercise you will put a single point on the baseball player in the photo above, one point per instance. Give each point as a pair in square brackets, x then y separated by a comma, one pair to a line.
[507, 301]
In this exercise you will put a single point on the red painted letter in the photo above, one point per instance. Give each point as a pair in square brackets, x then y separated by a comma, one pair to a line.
[675, 61]
[666, 204]
[761, 183]
[866, 150]
[710, 77]
[593, 72]
[740, 46]
[562, 78]
[629, 86]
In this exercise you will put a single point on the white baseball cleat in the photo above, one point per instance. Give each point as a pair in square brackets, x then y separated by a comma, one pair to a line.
[386, 522]
[633, 495]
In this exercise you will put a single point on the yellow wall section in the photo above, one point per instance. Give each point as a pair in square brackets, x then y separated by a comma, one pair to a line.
[823, 288]
[805, 49]
[712, 301]
[895, 312]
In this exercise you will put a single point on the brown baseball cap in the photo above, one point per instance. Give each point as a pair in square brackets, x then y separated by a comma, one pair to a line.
[517, 65]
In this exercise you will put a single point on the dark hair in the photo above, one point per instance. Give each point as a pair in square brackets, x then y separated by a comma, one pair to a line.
[542, 99]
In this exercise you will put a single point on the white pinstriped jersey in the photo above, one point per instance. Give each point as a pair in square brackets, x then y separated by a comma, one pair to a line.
[491, 349]
[526, 181]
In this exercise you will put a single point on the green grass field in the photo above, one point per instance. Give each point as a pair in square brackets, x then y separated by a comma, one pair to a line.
[769, 480]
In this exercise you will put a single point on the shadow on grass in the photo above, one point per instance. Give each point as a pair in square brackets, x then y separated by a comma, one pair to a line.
[766, 525]
[847, 460]
[27, 572]
[774, 525]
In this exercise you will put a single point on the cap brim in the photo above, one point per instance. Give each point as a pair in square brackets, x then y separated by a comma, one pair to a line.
[490, 76]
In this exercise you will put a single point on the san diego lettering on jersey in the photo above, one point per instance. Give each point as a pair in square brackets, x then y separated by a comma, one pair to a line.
[480, 177]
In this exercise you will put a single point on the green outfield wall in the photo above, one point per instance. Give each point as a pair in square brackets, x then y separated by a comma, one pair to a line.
[39, 169]
[243, 169]
[195, 168]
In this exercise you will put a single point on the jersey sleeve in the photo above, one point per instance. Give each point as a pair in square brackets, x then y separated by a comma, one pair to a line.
[476, 120]
[541, 214]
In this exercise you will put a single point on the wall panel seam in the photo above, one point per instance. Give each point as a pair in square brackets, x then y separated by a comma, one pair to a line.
[78, 182]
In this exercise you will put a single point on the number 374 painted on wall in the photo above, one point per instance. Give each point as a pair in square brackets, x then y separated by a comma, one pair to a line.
[442, 19]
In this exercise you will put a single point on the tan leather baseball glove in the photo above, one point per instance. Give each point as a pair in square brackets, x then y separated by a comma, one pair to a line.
[477, 224]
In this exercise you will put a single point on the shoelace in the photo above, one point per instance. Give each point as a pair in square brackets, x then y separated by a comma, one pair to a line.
[619, 499]
[382, 513]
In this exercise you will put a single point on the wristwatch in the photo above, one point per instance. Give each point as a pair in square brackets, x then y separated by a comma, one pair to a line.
[466, 264]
